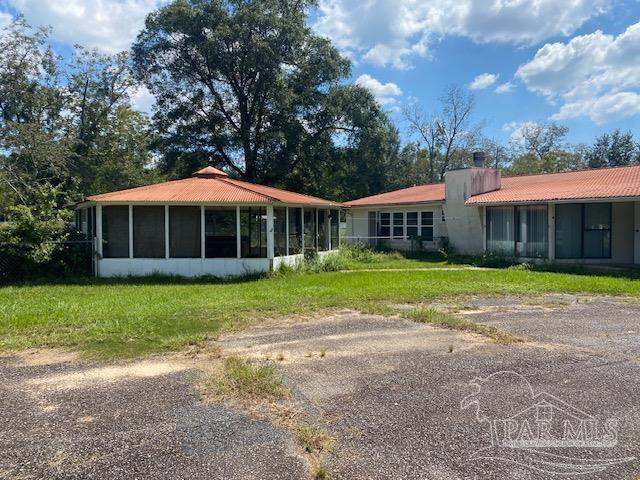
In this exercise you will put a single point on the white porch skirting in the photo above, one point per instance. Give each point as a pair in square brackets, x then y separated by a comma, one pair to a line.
[193, 267]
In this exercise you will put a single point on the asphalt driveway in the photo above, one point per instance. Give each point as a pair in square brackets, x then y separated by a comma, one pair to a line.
[403, 400]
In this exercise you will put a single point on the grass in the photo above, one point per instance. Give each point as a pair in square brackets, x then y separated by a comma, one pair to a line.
[441, 319]
[130, 317]
[245, 379]
[315, 439]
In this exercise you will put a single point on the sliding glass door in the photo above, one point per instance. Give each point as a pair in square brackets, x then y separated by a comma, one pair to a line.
[520, 231]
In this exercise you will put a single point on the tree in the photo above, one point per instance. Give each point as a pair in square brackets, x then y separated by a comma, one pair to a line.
[33, 126]
[59, 122]
[457, 106]
[246, 86]
[613, 150]
[446, 135]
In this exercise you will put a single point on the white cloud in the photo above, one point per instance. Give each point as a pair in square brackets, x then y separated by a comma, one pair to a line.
[143, 100]
[505, 87]
[5, 19]
[108, 25]
[594, 75]
[483, 81]
[385, 93]
[515, 129]
[391, 33]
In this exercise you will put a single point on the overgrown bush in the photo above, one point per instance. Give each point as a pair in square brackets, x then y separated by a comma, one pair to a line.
[36, 240]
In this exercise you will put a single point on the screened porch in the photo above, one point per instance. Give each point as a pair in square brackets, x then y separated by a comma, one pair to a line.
[207, 239]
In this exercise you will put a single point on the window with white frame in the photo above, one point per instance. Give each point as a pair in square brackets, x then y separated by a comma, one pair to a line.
[398, 224]
[412, 224]
[426, 226]
[385, 225]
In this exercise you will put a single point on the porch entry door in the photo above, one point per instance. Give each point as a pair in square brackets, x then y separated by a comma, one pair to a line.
[373, 229]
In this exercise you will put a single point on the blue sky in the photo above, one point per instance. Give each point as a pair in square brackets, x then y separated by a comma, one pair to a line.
[575, 62]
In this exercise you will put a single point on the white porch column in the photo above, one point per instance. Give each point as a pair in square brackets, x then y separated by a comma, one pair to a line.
[636, 234]
[202, 233]
[130, 231]
[238, 237]
[166, 231]
[270, 233]
[551, 236]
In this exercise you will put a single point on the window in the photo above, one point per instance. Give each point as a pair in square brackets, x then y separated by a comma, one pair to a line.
[115, 231]
[253, 232]
[84, 221]
[310, 232]
[597, 230]
[583, 230]
[280, 231]
[335, 229]
[398, 225]
[220, 236]
[426, 226]
[412, 224]
[385, 225]
[295, 231]
[500, 230]
[184, 232]
[531, 231]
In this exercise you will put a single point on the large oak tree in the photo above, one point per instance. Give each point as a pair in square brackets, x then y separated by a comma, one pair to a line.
[246, 85]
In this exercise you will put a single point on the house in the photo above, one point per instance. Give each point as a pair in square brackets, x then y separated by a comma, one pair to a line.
[589, 216]
[208, 224]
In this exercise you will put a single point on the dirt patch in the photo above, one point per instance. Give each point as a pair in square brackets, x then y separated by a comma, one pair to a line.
[109, 374]
[43, 356]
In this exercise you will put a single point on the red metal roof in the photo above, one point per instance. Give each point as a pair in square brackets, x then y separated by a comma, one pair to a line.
[619, 182]
[207, 186]
[419, 194]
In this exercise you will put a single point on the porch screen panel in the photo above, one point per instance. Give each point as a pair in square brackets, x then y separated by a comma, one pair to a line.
[597, 230]
[323, 225]
[148, 232]
[295, 231]
[310, 232]
[280, 231]
[253, 232]
[568, 230]
[115, 231]
[184, 232]
[335, 229]
[500, 230]
[220, 233]
[537, 245]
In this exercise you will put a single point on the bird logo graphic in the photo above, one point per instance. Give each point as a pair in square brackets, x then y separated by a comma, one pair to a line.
[536, 429]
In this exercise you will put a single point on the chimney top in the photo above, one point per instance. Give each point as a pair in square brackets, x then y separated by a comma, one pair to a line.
[478, 159]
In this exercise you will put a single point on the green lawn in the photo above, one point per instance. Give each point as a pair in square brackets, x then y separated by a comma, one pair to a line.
[132, 317]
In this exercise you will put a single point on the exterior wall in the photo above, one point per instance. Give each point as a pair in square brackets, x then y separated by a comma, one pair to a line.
[465, 223]
[293, 260]
[358, 226]
[184, 267]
